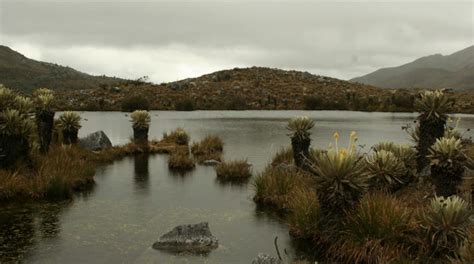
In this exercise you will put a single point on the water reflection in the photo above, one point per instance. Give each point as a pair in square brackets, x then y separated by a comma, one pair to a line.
[21, 228]
[142, 171]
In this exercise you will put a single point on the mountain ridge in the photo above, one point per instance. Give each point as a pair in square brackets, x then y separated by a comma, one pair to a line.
[454, 71]
[25, 74]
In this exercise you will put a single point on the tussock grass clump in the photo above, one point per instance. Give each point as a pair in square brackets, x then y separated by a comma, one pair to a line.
[55, 175]
[180, 161]
[376, 231]
[275, 185]
[304, 212]
[210, 148]
[446, 225]
[238, 170]
[178, 136]
[283, 156]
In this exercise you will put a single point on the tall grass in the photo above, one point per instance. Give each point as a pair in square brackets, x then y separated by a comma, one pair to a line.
[238, 170]
[209, 148]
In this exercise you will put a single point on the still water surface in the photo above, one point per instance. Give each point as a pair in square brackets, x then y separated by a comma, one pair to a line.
[137, 199]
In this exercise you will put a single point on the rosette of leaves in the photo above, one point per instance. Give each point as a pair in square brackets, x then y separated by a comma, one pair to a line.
[299, 128]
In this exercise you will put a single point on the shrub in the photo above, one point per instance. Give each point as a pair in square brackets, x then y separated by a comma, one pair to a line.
[299, 128]
[313, 103]
[140, 123]
[376, 231]
[234, 170]
[445, 224]
[137, 102]
[178, 136]
[385, 170]
[433, 107]
[180, 161]
[235, 103]
[70, 124]
[210, 147]
[339, 177]
[448, 163]
[185, 105]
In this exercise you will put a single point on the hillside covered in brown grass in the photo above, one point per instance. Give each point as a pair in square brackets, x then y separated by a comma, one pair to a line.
[253, 88]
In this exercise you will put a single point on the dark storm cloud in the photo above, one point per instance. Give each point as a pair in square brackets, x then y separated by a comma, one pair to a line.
[338, 38]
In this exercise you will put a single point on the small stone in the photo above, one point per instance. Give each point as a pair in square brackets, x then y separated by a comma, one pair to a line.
[196, 238]
[266, 259]
[95, 141]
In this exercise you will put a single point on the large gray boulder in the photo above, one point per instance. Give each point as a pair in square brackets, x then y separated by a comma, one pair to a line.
[95, 141]
[195, 238]
[266, 259]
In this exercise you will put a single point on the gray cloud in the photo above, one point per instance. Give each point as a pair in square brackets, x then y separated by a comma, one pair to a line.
[171, 40]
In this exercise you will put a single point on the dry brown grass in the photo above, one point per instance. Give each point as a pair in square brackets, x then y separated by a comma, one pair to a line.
[210, 148]
[276, 185]
[284, 155]
[54, 175]
[181, 161]
[178, 136]
[239, 170]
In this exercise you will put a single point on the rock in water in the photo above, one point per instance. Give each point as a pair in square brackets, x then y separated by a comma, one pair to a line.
[210, 162]
[95, 141]
[195, 238]
[266, 259]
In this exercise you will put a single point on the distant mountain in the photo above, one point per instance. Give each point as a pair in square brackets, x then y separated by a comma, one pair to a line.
[21, 73]
[455, 71]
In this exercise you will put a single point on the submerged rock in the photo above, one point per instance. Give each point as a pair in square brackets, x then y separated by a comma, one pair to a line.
[211, 162]
[95, 141]
[195, 238]
[266, 259]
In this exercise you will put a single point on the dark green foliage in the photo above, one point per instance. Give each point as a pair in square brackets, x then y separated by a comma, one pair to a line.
[44, 123]
[136, 102]
[186, 104]
[313, 103]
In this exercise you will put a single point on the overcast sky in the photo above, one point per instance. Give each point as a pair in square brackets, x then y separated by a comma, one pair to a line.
[171, 40]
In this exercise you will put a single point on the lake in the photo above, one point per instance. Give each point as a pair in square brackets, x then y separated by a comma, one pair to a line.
[137, 199]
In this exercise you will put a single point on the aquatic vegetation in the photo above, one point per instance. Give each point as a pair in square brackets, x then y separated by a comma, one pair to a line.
[445, 224]
[448, 161]
[234, 170]
[209, 148]
[385, 170]
[433, 107]
[340, 178]
[274, 186]
[180, 160]
[178, 136]
[141, 120]
[70, 124]
[376, 231]
[299, 128]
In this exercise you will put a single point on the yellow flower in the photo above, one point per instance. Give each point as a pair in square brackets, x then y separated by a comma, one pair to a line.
[336, 136]
[343, 153]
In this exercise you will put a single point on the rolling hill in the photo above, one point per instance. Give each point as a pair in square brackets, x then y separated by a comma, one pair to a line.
[23, 74]
[454, 71]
